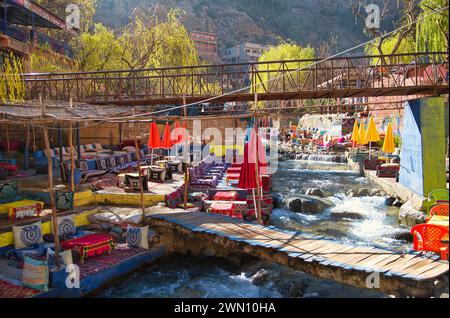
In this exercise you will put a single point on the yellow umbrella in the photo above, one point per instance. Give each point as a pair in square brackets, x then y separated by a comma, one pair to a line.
[372, 133]
[355, 132]
[388, 143]
[362, 134]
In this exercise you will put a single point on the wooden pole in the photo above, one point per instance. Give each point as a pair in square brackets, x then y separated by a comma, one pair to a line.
[7, 138]
[52, 197]
[72, 160]
[77, 126]
[186, 186]
[27, 149]
[34, 138]
[258, 189]
[138, 156]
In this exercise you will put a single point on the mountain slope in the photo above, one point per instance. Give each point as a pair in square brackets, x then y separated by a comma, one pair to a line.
[262, 21]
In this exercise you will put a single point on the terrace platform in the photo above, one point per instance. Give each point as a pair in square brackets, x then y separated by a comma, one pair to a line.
[401, 274]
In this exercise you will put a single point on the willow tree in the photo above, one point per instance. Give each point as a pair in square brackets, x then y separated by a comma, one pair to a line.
[12, 86]
[290, 74]
[432, 27]
[383, 44]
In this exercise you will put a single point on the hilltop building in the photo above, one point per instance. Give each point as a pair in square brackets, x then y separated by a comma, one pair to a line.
[206, 44]
[244, 52]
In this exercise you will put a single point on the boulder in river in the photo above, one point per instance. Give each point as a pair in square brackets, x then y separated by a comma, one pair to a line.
[358, 192]
[315, 192]
[409, 216]
[377, 192]
[402, 235]
[277, 200]
[347, 215]
[309, 204]
[389, 201]
[363, 192]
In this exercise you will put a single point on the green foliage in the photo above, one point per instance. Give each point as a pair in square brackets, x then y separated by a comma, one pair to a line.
[406, 45]
[12, 86]
[397, 141]
[271, 72]
[432, 29]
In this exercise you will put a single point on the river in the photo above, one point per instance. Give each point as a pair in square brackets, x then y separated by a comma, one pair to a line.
[186, 276]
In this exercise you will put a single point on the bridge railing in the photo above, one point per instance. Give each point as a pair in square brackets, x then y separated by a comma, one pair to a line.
[266, 78]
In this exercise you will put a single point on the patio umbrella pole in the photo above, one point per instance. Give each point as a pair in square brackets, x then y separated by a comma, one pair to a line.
[258, 207]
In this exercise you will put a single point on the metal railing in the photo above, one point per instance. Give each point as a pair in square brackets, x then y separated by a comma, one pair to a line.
[399, 74]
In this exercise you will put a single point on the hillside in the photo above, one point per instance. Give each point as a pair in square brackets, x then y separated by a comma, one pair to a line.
[262, 21]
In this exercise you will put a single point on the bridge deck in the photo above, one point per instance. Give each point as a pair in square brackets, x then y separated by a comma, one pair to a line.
[411, 274]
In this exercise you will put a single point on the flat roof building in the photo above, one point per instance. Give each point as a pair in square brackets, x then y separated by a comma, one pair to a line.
[244, 52]
[206, 44]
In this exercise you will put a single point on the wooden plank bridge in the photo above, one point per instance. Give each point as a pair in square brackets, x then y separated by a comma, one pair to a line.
[401, 274]
[341, 77]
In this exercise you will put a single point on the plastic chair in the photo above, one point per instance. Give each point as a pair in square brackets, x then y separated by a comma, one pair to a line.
[428, 237]
[437, 196]
[439, 209]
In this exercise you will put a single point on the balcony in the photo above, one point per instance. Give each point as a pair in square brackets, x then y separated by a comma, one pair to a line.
[14, 32]
[26, 36]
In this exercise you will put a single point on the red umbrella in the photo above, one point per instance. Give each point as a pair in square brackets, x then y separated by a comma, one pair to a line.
[256, 140]
[154, 140]
[166, 142]
[247, 177]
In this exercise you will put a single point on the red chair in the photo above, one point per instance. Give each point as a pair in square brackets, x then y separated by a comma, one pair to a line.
[439, 209]
[428, 237]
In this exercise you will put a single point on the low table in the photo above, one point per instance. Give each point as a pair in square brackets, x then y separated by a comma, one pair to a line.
[21, 209]
[234, 170]
[225, 196]
[225, 208]
[90, 245]
[439, 220]
[132, 180]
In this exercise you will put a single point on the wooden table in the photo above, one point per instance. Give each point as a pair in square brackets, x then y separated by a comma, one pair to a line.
[439, 220]
[21, 209]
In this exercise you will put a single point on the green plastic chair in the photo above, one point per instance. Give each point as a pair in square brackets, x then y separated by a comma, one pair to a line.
[437, 196]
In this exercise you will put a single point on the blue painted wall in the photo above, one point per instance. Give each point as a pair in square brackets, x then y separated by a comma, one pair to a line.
[423, 145]
[411, 153]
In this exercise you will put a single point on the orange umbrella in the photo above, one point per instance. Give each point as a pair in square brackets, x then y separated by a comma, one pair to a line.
[154, 140]
[166, 142]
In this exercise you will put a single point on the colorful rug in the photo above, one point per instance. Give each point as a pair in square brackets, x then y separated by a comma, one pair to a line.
[98, 263]
[9, 290]
[106, 183]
